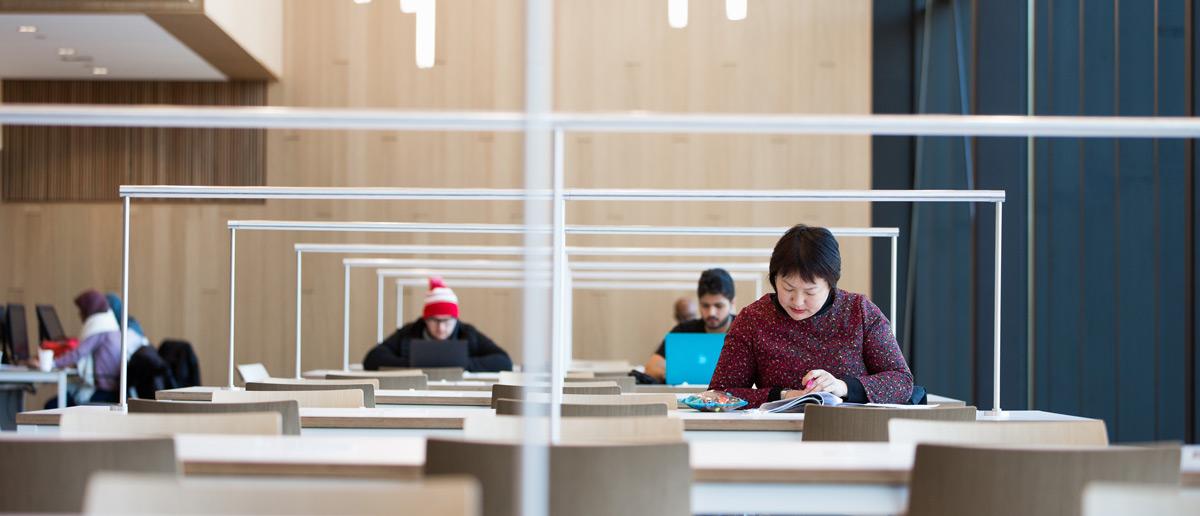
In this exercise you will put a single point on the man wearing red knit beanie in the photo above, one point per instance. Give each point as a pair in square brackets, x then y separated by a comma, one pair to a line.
[438, 322]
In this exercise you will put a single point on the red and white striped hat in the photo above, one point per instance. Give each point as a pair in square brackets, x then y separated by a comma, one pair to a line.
[440, 300]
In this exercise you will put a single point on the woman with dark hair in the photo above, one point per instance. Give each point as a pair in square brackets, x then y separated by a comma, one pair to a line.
[810, 336]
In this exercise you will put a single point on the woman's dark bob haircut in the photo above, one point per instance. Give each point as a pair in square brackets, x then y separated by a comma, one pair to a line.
[808, 251]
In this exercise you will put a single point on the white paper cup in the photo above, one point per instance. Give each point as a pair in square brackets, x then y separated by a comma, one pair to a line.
[46, 359]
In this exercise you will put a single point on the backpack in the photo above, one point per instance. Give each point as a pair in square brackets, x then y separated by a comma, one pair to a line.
[149, 373]
[182, 362]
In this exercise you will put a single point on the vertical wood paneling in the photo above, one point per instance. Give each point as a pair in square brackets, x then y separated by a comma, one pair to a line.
[1137, 343]
[1000, 163]
[1172, 253]
[90, 163]
[1193, 361]
[1097, 185]
[1064, 175]
[792, 56]
[944, 258]
[1115, 229]
[1043, 62]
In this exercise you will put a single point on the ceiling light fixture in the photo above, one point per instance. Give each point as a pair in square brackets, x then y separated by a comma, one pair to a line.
[677, 13]
[735, 10]
[426, 37]
[27, 28]
[66, 51]
[99, 70]
[362, 1]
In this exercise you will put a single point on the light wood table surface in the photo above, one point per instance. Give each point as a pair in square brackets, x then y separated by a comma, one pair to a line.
[382, 396]
[451, 417]
[732, 476]
[403, 457]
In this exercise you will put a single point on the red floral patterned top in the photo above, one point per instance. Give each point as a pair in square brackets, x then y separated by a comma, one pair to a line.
[766, 349]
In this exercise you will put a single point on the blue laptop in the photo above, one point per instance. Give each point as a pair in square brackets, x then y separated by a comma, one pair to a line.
[692, 357]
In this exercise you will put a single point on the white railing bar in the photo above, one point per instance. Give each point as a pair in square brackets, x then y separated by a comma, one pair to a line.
[579, 194]
[624, 122]
[785, 195]
[432, 227]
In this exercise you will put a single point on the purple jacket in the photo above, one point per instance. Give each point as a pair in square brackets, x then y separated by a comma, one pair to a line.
[105, 350]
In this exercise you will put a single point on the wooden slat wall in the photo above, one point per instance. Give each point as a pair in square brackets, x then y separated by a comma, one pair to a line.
[789, 56]
[89, 163]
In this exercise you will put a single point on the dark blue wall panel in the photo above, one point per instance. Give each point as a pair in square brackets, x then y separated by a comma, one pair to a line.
[1114, 221]
[1137, 346]
[1062, 280]
[1172, 235]
[1041, 206]
[1000, 164]
[1097, 186]
[892, 76]
[941, 310]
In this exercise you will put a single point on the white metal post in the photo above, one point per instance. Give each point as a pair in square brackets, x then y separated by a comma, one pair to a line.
[379, 309]
[232, 296]
[568, 318]
[996, 315]
[399, 307]
[299, 317]
[534, 473]
[124, 394]
[558, 303]
[892, 290]
[346, 321]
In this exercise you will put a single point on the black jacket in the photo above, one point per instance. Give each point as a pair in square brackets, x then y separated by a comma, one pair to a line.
[484, 354]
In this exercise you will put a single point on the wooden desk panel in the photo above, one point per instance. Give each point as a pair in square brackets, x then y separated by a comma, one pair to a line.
[202, 393]
[452, 418]
[731, 462]
[402, 457]
[399, 458]
[433, 397]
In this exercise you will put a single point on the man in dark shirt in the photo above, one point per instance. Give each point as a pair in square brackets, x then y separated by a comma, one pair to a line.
[438, 322]
[715, 292]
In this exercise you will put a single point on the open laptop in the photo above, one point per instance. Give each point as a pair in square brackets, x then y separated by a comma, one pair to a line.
[692, 357]
[438, 353]
[253, 372]
[49, 327]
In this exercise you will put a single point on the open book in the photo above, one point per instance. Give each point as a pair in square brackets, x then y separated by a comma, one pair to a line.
[798, 403]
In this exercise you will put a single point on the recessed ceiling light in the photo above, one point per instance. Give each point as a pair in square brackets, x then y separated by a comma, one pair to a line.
[27, 28]
[99, 70]
[66, 51]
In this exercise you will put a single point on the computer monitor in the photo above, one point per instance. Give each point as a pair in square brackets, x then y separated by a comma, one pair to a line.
[17, 332]
[4, 347]
[49, 327]
[438, 353]
[692, 357]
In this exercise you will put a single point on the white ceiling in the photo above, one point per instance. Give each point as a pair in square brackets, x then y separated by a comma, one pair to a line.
[130, 46]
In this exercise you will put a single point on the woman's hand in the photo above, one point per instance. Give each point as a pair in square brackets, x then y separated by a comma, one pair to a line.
[820, 380]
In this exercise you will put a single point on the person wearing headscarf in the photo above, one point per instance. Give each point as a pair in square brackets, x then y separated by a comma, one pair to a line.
[99, 341]
[115, 304]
